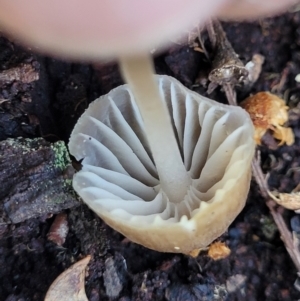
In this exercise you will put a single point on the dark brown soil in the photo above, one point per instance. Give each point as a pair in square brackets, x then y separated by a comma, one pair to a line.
[258, 267]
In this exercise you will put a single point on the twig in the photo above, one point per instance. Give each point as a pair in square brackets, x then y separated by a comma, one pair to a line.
[230, 94]
[285, 234]
[259, 177]
[283, 79]
[202, 44]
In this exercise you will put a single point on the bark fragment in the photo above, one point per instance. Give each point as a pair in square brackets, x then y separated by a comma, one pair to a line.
[24, 73]
[35, 179]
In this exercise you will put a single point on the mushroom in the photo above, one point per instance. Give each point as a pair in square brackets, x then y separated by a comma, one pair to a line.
[166, 167]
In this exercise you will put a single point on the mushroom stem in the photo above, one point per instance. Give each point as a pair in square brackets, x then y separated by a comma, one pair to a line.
[174, 179]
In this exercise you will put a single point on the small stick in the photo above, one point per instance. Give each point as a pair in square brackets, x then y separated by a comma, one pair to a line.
[202, 44]
[230, 94]
[285, 234]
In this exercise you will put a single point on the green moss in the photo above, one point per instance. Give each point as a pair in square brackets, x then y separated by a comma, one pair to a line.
[61, 155]
[68, 182]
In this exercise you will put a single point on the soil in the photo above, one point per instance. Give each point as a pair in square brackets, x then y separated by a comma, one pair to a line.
[258, 268]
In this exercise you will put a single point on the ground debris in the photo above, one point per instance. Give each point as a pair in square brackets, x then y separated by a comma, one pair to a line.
[254, 68]
[70, 284]
[289, 201]
[36, 178]
[218, 250]
[194, 253]
[236, 282]
[150, 285]
[59, 229]
[295, 224]
[114, 275]
[204, 292]
[24, 73]
[269, 112]
[227, 68]
[183, 62]
[89, 230]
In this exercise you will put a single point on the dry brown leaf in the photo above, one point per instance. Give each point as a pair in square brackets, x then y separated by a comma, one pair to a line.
[218, 250]
[289, 201]
[269, 112]
[69, 286]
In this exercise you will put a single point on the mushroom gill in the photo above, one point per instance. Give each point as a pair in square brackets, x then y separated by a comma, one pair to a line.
[122, 178]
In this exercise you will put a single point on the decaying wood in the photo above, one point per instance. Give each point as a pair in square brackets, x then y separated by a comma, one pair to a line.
[35, 177]
[24, 73]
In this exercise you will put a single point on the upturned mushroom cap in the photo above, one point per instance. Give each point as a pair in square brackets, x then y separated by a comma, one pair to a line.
[119, 181]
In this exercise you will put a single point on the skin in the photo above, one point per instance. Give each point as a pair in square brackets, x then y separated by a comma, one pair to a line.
[110, 28]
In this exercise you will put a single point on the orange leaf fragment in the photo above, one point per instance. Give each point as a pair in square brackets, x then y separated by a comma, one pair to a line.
[218, 250]
[269, 112]
[70, 284]
[194, 253]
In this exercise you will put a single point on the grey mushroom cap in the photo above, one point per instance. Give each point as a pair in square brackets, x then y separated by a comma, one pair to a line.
[119, 179]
